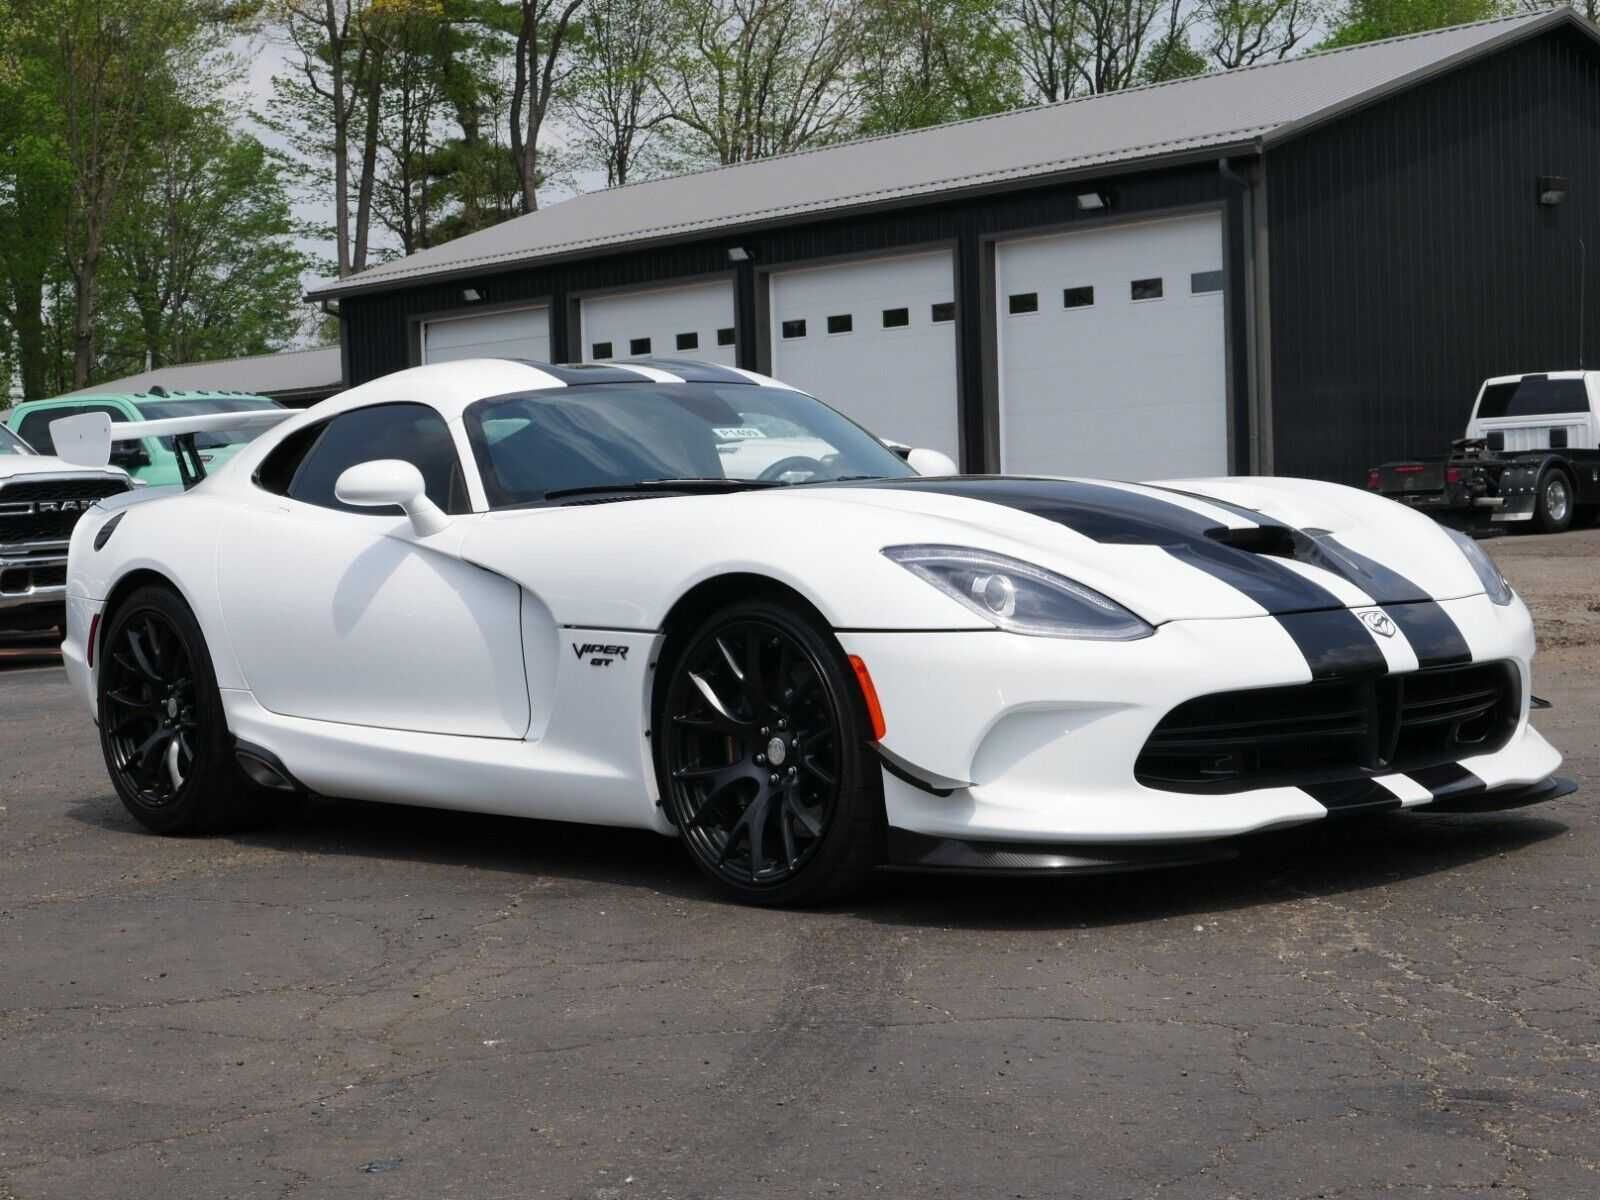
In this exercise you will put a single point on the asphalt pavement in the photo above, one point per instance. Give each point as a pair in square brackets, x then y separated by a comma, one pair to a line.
[381, 1002]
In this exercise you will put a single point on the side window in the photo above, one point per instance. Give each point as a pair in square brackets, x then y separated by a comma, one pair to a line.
[35, 427]
[413, 433]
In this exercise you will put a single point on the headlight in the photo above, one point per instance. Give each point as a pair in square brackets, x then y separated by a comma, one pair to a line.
[1488, 574]
[1018, 596]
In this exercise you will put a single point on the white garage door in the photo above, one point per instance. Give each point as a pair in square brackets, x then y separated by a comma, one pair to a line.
[876, 340]
[518, 333]
[1112, 351]
[684, 322]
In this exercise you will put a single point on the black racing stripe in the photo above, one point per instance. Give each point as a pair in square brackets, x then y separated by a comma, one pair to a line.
[1383, 584]
[1448, 780]
[1352, 797]
[1117, 517]
[690, 370]
[1335, 643]
[1433, 635]
[583, 372]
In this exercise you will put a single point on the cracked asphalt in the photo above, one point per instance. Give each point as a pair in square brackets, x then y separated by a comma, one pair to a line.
[377, 1002]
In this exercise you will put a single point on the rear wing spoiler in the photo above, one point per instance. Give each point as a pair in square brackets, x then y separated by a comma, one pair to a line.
[85, 440]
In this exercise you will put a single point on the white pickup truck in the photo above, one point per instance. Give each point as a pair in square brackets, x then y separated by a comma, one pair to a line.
[41, 499]
[1531, 453]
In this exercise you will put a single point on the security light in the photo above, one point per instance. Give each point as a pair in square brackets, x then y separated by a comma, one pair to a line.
[1090, 201]
[1552, 189]
[738, 254]
[471, 295]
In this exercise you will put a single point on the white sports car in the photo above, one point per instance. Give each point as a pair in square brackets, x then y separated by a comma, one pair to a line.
[548, 591]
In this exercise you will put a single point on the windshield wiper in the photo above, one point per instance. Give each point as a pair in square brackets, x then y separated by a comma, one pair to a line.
[663, 485]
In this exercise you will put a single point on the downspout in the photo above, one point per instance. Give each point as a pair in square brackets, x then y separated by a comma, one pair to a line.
[1257, 328]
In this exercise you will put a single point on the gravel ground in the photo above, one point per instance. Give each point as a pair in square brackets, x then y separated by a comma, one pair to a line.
[374, 1002]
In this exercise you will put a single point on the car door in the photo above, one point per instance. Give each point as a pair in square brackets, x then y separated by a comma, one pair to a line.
[342, 614]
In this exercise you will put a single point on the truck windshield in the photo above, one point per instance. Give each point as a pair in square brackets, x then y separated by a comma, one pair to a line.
[1533, 396]
[160, 410]
[10, 443]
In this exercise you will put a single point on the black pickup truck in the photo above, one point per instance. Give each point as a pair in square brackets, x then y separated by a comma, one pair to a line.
[1531, 454]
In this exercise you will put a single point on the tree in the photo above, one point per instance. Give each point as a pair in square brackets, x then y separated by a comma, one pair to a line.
[1243, 32]
[614, 101]
[753, 78]
[108, 61]
[1113, 37]
[1046, 41]
[201, 262]
[925, 62]
[540, 68]
[1359, 21]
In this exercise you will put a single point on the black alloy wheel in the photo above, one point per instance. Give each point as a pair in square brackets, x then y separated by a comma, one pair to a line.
[162, 728]
[149, 696]
[764, 761]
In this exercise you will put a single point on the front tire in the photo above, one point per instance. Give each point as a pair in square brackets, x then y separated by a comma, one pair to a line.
[1554, 506]
[162, 729]
[763, 756]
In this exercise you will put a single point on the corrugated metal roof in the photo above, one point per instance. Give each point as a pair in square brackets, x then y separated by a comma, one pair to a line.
[1248, 107]
[286, 374]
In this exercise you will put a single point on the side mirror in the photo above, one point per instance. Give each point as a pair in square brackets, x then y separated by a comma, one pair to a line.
[932, 462]
[389, 482]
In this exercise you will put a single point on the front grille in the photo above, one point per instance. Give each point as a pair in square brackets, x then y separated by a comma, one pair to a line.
[20, 499]
[1338, 729]
[15, 581]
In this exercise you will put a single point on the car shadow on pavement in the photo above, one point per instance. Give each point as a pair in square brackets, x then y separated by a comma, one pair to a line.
[1311, 862]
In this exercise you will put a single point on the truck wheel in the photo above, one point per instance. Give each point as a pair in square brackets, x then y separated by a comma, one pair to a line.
[1553, 508]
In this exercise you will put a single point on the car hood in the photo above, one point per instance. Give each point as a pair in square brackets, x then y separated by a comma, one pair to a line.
[1194, 549]
[1199, 548]
[13, 466]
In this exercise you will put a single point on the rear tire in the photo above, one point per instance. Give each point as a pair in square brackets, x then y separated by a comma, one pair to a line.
[763, 756]
[1554, 504]
[162, 728]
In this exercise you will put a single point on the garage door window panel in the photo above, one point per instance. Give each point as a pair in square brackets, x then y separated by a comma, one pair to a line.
[688, 341]
[896, 318]
[412, 433]
[639, 346]
[601, 350]
[1205, 283]
[793, 330]
[1077, 297]
[942, 313]
[842, 323]
[1023, 303]
[725, 337]
[1146, 289]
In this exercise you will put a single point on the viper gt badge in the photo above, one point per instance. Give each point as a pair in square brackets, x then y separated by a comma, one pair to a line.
[598, 654]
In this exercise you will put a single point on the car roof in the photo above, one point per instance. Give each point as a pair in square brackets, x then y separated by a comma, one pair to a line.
[452, 386]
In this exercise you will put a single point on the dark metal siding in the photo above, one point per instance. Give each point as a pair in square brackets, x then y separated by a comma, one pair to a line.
[378, 328]
[1410, 258]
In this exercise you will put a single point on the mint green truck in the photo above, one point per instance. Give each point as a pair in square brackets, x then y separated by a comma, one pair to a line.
[151, 461]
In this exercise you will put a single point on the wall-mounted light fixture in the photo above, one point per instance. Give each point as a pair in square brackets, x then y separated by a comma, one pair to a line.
[738, 254]
[471, 295]
[1091, 201]
[1552, 189]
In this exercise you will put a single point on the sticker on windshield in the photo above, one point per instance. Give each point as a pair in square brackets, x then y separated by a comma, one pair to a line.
[737, 433]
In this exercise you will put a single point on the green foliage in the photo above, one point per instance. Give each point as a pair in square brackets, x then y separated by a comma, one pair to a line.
[925, 62]
[1368, 20]
[1172, 57]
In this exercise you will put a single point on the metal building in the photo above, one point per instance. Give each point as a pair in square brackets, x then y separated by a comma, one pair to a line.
[1302, 268]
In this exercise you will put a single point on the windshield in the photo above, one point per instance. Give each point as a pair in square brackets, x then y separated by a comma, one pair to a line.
[598, 435]
[10, 443]
[160, 410]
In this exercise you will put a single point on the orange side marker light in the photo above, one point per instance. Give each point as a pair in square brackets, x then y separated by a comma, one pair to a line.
[870, 695]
